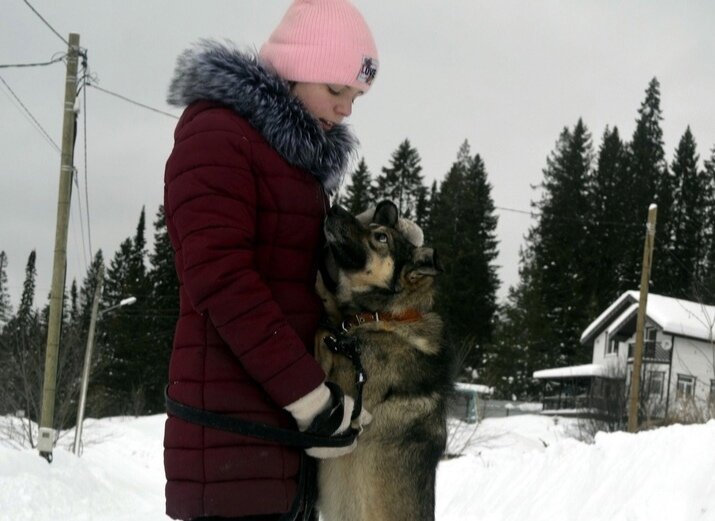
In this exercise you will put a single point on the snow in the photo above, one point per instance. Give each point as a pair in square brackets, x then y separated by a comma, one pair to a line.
[682, 317]
[526, 467]
[475, 388]
[573, 371]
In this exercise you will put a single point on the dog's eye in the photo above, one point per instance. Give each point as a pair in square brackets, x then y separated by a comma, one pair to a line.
[380, 237]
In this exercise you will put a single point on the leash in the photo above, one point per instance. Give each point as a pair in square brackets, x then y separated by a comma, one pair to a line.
[258, 430]
[339, 342]
[349, 347]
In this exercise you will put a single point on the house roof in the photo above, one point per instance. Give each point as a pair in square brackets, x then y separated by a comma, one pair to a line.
[624, 317]
[572, 371]
[674, 316]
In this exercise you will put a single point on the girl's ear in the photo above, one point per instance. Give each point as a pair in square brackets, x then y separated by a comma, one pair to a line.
[386, 214]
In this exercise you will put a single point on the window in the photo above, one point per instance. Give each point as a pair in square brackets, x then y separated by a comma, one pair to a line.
[649, 344]
[612, 348]
[686, 386]
[655, 383]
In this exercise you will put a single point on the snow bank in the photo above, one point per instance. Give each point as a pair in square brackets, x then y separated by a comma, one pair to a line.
[520, 468]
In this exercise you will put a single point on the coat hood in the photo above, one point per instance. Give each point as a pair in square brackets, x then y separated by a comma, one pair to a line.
[219, 72]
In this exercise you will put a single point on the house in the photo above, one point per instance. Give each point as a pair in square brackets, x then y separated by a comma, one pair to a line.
[678, 369]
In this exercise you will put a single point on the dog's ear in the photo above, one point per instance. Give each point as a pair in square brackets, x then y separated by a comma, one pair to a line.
[425, 263]
[386, 214]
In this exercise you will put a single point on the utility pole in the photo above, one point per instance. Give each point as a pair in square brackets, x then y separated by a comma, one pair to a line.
[46, 439]
[88, 353]
[634, 403]
[88, 360]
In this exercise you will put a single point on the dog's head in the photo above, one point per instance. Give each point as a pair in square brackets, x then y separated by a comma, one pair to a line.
[373, 266]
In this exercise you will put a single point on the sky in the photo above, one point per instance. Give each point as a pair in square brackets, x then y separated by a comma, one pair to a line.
[515, 468]
[507, 76]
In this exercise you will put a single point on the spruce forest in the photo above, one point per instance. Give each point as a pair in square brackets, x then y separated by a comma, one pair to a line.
[583, 250]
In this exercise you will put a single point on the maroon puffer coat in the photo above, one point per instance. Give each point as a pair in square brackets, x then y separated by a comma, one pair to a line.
[245, 199]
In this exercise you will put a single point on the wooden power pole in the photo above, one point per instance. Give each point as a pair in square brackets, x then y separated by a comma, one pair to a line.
[634, 404]
[46, 438]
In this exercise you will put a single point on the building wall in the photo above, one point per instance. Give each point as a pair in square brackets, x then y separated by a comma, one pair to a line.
[616, 361]
[692, 358]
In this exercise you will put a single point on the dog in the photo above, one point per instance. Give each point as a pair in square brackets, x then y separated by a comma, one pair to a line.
[378, 289]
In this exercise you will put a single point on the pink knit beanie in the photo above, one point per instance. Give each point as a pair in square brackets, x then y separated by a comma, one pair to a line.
[323, 41]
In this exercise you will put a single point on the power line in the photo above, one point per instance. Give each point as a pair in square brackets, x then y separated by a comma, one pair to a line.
[40, 64]
[132, 101]
[34, 120]
[47, 23]
[86, 182]
[75, 177]
[563, 219]
[525, 212]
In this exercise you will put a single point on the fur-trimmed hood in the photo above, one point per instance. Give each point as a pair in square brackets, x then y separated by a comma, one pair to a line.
[219, 72]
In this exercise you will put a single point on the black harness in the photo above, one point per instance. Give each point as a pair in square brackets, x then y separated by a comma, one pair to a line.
[342, 344]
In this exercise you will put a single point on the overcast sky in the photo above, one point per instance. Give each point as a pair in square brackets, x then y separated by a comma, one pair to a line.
[505, 75]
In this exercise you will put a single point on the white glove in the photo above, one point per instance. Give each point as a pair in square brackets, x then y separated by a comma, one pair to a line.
[326, 411]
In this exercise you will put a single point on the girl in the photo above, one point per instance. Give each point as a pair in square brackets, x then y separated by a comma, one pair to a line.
[258, 150]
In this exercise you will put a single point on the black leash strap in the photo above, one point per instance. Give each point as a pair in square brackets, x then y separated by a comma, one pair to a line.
[254, 429]
[349, 347]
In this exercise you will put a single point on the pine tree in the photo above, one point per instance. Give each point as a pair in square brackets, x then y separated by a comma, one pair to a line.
[561, 253]
[70, 358]
[447, 200]
[688, 216]
[422, 208]
[358, 195]
[709, 233]
[519, 345]
[549, 308]
[5, 305]
[123, 332]
[428, 222]
[22, 356]
[607, 219]
[402, 180]
[649, 182]
[464, 236]
[162, 314]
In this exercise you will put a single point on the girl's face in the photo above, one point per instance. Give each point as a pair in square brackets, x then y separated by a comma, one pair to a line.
[328, 103]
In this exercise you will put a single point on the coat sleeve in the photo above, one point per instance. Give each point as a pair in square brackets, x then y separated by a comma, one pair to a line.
[211, 203]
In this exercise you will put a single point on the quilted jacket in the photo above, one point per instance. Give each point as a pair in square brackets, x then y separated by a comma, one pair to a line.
[246, 190]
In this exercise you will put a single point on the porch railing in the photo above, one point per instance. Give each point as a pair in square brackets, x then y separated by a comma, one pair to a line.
[652, 350]
[578, 402]
[555, 403]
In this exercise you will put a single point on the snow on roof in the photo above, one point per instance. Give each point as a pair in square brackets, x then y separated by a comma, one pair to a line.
[627, 314]
[674, 316]
[610, 310]
[573, 371]
[478, 388]
[682, 317]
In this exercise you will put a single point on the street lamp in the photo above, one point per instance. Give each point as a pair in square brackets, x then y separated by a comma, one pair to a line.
[88, 357]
